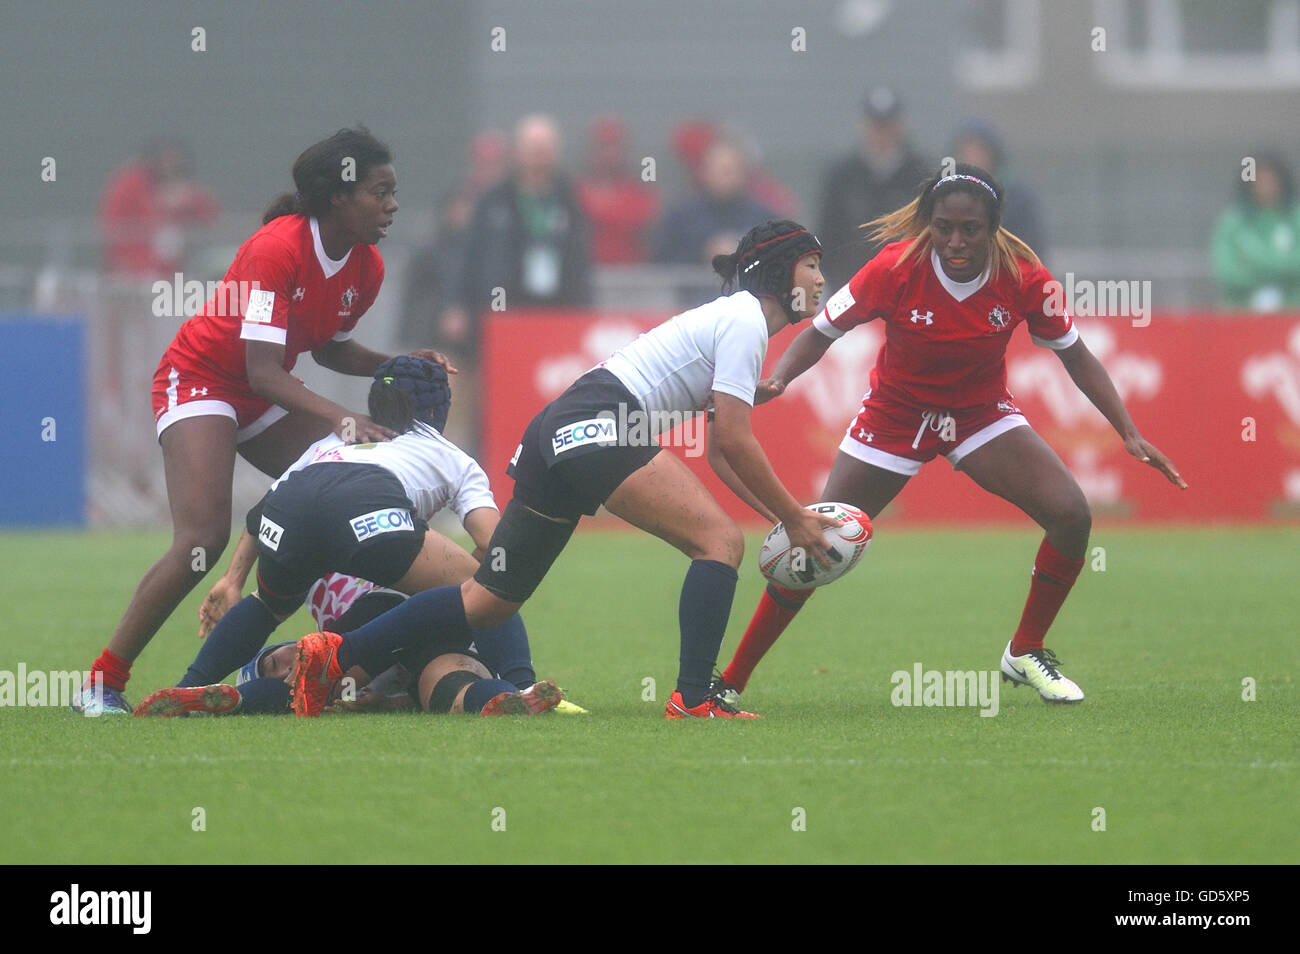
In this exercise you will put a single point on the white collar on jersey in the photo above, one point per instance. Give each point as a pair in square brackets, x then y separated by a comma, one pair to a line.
[327, 265]
[958, 290]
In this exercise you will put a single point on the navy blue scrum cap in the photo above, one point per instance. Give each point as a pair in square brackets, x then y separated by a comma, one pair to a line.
[424, 381]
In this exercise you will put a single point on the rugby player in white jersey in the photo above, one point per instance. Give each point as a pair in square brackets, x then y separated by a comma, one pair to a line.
[592, 446]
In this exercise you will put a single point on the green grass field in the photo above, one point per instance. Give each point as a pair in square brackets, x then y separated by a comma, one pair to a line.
[1161, 640]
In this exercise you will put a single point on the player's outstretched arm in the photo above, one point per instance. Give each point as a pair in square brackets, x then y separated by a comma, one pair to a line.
[268, 379]
[1091, 378]
[805, 351]
[738, 445]
[729, 477]
[228, 590]
[349, 357]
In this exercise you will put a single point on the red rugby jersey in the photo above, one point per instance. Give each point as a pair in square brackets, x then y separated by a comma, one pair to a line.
[303, 299]
[946, 342]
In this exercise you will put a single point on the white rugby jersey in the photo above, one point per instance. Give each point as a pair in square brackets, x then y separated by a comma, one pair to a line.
[433, 471]
[715, 347]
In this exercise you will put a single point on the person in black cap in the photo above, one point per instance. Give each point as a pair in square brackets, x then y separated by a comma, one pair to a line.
[876, 178]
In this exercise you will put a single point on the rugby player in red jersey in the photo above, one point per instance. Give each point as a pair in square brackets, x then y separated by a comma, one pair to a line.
[224, 386]
[951, 289]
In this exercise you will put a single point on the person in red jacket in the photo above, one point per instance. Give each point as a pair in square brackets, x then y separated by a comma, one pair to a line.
[225, 386]
[951, 288]
[619, 206]
[146, 208]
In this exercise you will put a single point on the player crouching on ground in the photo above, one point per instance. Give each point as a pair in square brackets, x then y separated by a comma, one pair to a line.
[361, 510]
[448, 682]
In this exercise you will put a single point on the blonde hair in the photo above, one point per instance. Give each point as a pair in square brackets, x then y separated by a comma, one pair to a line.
[912, 221]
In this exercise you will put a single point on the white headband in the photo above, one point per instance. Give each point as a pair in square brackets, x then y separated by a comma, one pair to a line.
[956, 176]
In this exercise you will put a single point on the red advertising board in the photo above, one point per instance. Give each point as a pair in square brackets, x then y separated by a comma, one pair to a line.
[1219, 394]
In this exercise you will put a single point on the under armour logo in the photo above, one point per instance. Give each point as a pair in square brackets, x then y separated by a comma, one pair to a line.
[917, 317]
[194, 391]
[863, 434]
[299, 293]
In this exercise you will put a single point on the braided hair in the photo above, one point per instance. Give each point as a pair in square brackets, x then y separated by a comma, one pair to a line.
[763, 263]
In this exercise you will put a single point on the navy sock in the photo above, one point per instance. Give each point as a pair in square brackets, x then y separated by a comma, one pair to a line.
[232, 643]
[419, 621]
[705, 606]
[504, 650]
[263, 696]
[478, 693]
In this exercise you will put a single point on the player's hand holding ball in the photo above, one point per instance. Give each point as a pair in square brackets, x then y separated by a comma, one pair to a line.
[823, 546]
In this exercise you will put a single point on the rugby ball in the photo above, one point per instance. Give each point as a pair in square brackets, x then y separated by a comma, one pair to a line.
[795, 570]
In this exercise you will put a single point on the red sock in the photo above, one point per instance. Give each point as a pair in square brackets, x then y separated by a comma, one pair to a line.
[116, 670]
[775, 611]
[1052, 579]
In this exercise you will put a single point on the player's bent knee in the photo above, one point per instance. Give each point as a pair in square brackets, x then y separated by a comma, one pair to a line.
[722, 541]
[523, 547]
[201, 546]
[447, 689]
[438, 670]
[1075, 516]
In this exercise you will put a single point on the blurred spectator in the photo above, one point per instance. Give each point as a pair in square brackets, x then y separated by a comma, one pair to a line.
[436, 265]
[762, 185]
[881, 176]
[147, 212]
[712, 221]
[618, 205]
[146, 209]
[433, 268]
[978, 143]
[489, 155]
[527, 235]
[1256, 244]
[690, 141]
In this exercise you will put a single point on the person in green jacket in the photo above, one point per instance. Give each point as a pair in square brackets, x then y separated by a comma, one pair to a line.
[1256, 246]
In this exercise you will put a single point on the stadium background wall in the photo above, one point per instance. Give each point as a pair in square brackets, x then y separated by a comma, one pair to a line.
[1220, 394]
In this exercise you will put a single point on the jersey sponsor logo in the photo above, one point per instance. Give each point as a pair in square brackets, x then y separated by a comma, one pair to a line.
[270, 534]
[999, 317]
[596, 430]
[839, 303]
[261, 306]
[917, 317]
[381, 521]
[299, 293]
